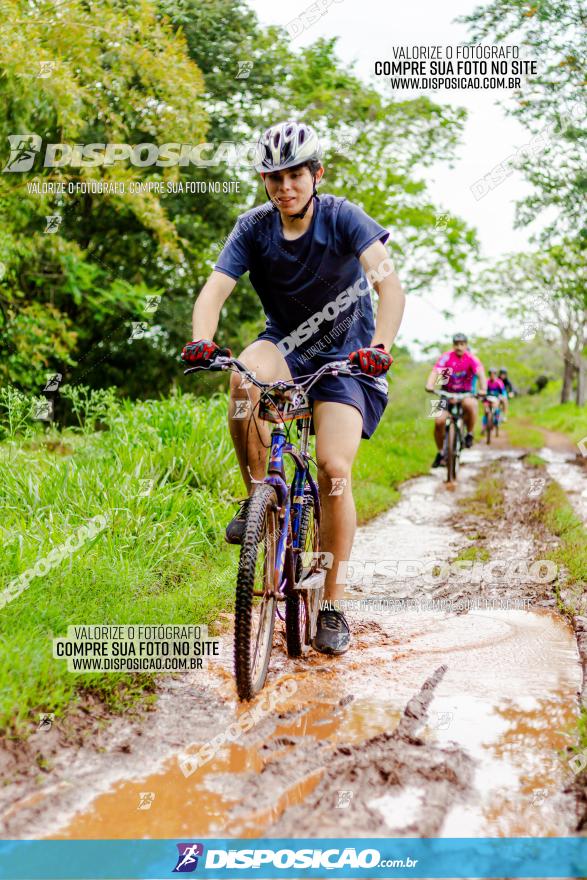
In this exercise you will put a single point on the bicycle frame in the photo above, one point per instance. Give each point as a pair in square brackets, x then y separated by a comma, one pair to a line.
[492, 408]
[291, 502]
[454, 410]
[454, 415]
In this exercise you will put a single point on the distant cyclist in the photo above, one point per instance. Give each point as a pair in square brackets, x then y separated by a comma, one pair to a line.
[311, 260]
[510, 391]
[496, 388]
[455, 370]
[495, 385]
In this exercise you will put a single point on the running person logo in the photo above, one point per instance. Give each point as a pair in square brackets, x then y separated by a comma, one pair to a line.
[187, 860]
[23, 150]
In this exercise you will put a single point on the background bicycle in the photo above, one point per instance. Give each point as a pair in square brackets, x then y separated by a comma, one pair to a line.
[491, 416]
[453, 436]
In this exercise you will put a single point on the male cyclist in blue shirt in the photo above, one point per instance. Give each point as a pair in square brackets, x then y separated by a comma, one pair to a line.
[310, 259]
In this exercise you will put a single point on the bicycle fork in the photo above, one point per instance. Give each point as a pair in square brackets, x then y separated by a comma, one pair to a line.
[275, 478]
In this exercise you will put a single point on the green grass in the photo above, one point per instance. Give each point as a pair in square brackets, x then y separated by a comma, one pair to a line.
[161, 557]
[159, 560]
[520, 432]
[402, 447]
[487, 500]
[544, 411]
[559, 517]
[475, 553]
[535, 460]
[581, 731]
[557, 514]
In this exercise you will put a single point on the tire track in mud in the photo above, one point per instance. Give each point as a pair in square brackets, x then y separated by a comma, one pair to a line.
[434, 723]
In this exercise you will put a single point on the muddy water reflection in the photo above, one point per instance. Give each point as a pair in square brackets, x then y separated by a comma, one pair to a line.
[508, 698]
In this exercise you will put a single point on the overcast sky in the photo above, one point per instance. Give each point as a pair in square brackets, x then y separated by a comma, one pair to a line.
[367, 30]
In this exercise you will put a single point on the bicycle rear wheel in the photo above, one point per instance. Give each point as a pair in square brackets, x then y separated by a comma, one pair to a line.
[255, 593]
[298, 611]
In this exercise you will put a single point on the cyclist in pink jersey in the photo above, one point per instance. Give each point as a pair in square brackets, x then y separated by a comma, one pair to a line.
[455, 371]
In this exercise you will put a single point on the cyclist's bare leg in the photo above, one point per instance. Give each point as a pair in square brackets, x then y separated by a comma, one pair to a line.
[439, 428]
[338, 434]
[251, 444]
[470, 408]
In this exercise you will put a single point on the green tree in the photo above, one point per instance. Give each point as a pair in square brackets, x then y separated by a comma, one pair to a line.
[171, 72]
[85, 74]
[545, 292]
[551, 104]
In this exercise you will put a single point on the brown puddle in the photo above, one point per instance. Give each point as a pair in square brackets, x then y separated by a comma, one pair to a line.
[179, 804]
[509, 705]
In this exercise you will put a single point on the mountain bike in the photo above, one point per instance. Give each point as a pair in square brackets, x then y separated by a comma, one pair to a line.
[451, 401]
[280, 564]
[491, 416]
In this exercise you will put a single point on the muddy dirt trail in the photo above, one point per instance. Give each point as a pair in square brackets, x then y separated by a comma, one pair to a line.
[442, 720]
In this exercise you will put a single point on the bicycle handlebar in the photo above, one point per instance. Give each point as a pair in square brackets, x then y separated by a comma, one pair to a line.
[459, 395]
[343, 368]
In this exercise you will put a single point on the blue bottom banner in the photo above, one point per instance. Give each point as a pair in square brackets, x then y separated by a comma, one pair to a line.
[293, 858]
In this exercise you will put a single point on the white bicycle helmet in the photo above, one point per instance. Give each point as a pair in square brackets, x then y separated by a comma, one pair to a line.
[285, 145]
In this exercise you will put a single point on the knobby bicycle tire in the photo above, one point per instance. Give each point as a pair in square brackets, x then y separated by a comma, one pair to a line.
[261, 521]
[296, 608]
[452, 453]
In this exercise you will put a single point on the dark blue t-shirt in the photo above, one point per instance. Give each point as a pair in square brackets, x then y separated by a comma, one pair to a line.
[300, 283]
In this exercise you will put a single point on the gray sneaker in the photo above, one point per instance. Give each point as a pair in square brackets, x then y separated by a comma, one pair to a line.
[236, 527]
[332, 635]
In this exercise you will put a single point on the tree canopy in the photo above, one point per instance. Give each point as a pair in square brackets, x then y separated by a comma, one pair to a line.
[112, 287]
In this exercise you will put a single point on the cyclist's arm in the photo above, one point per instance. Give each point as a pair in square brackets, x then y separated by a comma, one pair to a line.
[482, 379]
[432, 379]
[209, 303]
[392, 298]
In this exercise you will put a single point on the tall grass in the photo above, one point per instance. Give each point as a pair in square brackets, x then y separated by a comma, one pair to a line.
[162, 475]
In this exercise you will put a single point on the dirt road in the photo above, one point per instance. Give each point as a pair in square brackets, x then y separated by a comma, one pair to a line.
[452, 720]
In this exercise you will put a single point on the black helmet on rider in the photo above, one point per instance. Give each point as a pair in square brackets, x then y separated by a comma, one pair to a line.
[459, 337]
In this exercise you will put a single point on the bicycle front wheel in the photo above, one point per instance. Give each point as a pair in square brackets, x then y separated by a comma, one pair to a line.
[452, 453]
[255, 593]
